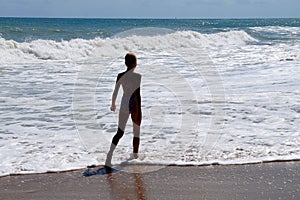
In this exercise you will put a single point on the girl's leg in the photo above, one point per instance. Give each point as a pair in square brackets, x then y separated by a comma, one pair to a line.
[136, 138]
[136, 119]
[123, 117]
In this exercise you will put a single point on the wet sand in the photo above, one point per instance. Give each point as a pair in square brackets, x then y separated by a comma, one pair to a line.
[277, 180]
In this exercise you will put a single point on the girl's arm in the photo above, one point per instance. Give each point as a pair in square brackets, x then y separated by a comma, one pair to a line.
[115, 94]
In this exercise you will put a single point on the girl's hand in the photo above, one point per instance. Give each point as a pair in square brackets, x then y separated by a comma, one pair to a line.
[113, 108]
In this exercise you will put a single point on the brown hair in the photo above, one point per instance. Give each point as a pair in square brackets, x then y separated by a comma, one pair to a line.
[130, 60]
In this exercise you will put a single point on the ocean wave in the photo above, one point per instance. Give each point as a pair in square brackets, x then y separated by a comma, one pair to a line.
[278, 29]
[78, 49]
[281, 33]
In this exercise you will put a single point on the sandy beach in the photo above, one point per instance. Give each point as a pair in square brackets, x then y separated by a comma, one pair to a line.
[277, 180]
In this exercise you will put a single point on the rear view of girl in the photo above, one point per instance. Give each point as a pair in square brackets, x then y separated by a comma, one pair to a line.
[130, 105]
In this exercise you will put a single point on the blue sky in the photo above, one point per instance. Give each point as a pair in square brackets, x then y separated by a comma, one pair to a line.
[151, 8]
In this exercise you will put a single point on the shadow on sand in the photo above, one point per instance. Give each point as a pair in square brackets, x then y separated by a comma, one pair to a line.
[94, 170]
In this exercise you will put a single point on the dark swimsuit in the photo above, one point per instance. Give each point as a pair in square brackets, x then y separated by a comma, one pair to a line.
[132, 104]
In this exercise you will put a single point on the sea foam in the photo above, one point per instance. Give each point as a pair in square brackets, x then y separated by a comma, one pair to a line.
[42, 80]
[78, 49]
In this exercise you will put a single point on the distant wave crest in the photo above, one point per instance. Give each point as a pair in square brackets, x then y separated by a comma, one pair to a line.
[79, 49]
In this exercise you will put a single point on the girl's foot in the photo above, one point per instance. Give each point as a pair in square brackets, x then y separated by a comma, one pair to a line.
[108, 168]
[133, 156]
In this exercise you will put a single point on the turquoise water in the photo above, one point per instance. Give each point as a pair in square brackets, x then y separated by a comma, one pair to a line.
[28, 29]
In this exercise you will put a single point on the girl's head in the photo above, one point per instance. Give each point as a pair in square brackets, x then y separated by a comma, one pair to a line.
[130, 61]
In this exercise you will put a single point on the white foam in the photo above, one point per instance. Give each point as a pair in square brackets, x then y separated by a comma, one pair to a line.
[279, 29]
[78, 49]
[38, 132]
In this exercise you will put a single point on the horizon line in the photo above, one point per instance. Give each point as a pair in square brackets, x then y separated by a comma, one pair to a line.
[153, 18]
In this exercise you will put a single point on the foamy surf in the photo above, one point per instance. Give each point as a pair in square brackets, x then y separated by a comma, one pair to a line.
[39, 132]
[79, 49]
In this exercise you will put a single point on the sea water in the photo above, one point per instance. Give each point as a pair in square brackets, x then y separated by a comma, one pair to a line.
[223, 91]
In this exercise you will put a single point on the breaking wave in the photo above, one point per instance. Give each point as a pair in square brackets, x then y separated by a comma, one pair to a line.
[79, 49]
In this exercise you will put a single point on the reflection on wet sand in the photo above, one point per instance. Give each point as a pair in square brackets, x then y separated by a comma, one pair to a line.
[139, 186]
[126, 186]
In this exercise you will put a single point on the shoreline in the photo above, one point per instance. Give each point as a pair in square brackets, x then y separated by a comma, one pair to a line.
[272, 180]
[161, 166]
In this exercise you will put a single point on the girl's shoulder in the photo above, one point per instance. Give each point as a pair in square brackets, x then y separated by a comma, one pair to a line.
[137, 74]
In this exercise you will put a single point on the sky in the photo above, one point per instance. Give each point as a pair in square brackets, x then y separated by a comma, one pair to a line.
[151, 8]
